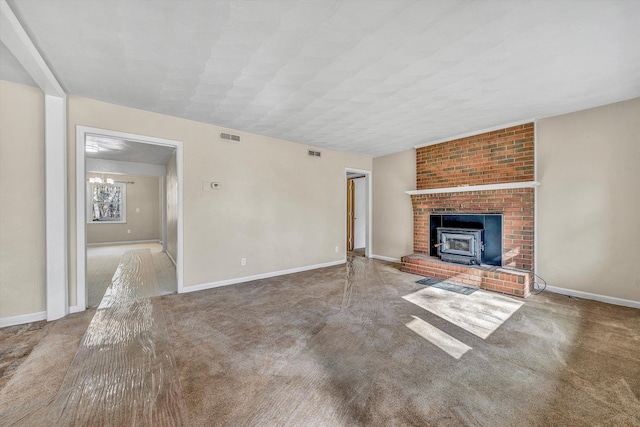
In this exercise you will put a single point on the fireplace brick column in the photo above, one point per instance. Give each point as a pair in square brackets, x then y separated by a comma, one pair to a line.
[498, 157]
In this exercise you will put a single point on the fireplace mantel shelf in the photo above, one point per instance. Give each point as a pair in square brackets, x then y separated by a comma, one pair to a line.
[487, 187]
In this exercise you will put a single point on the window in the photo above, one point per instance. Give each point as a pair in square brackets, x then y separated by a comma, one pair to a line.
[106, 202]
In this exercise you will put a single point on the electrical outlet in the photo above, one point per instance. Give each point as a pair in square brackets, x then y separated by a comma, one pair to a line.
[206, 186]
[337, 248]
[137, 209]
[243, 261]
[128, 231]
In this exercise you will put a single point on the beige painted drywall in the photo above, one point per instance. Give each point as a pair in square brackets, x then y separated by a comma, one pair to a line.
[589, 200]
[172, 208]
[143, 212]
[277, 207]
[22, 220]
[392, 212]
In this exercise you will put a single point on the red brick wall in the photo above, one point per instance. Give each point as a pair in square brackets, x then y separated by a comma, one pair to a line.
[500, 156]
[516, 206]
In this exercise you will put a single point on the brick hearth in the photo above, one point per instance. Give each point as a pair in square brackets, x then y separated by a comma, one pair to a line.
[498, 279]
[499, 157]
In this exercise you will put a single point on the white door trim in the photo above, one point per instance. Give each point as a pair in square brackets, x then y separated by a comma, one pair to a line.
[368, 251]
[81, 231]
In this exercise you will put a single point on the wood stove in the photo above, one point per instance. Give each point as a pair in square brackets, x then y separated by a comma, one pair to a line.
[460, 245]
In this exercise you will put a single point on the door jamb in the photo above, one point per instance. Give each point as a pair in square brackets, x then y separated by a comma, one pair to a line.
[368, 175]
[81, 226]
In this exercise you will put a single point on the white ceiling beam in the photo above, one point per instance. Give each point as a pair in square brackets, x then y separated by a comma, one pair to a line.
[20, 45]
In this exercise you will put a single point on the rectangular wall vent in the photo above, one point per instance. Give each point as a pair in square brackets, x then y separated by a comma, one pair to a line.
[314, 153]
[230, 137]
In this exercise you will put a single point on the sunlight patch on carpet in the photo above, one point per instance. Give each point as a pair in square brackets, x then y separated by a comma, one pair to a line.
[440, 339]
[480, 313]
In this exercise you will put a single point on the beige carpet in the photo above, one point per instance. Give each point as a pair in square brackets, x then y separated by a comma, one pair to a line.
[364, 345]
[103, 260]
[123, 372]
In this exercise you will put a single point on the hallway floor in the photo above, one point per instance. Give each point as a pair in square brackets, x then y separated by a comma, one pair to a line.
[103, 260]
[358, 344]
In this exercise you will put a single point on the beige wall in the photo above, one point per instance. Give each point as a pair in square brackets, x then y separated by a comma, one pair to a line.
[392, 212]
[281, 209]
[589, 200]
[172, 208]
[22, 219]
[277, 207]
[143, 195]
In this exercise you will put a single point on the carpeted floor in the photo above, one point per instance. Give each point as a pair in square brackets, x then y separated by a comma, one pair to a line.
[102, 262]
[363, 344]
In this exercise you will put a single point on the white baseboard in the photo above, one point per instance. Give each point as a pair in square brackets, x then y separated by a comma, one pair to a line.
[258, 276]
[595, 297]
[171, 258]
[385, 258]
[75, 309]
[124, 242]
[23, 318]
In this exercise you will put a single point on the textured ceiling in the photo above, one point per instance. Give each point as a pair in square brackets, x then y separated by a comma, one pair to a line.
[368, 77]
[127, 151]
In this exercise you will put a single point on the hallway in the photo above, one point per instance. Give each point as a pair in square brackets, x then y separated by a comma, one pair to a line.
[103, 260]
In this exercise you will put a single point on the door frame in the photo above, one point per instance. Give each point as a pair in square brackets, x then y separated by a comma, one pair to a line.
[81, 225]
[350, 213]
[368, 249]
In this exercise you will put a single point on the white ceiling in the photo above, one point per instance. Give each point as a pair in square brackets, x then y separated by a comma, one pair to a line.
[368, 77]
[127, 151]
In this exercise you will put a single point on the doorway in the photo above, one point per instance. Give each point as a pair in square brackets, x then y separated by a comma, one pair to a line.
[125, 213]
[358, 212]
[130, 154]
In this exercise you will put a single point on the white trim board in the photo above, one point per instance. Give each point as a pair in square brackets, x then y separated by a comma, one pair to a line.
[121, 167]
[385, 258]
[595, 297]
[486, 187]
[124, 242]
[244, 279]
[56, 203]
[171, 258]
[475, 132]
[22, 319]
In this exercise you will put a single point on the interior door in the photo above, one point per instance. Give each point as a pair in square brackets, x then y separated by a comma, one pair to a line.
[350, 207]
[359, 216]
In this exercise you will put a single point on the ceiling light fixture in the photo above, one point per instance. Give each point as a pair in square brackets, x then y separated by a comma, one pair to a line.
[98, 180]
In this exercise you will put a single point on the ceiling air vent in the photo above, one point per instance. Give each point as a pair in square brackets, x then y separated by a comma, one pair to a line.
[314, 153]
[230, 137]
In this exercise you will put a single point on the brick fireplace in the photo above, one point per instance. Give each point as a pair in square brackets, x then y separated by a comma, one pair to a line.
[488, 173]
